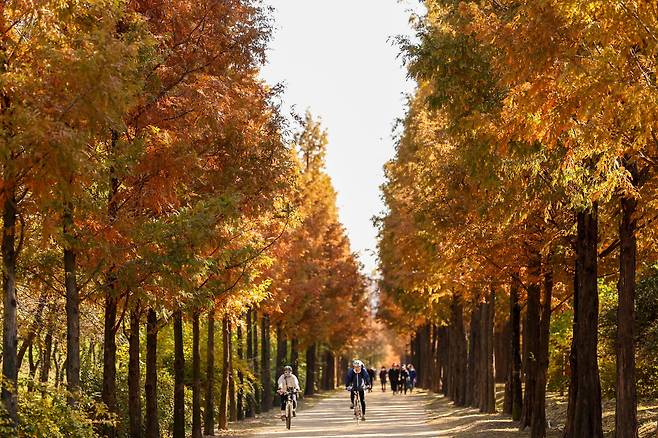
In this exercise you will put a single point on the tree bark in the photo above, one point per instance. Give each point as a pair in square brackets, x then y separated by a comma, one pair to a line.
[488, 390]
[134, 388]
[209, 418]
[538, 423]
[233, 412]
[458, 353]
[626, 425]
[531, 337]
[266, 373]
[240, 400]
[473, 359]
[72, 309]
[151, 382]
[258, 394]
[251, 400]
[179, 376]
[196, 376]
[281, 350]
[223, 394]
[109, 391]
[46, 355]
[294, 355]
[515, 360]
[587, 412]
[310, 369]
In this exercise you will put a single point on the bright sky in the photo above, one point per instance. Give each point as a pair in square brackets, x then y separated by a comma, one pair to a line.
[335, 57]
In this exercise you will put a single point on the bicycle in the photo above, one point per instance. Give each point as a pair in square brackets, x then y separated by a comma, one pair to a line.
[358, 412]
[290, 406]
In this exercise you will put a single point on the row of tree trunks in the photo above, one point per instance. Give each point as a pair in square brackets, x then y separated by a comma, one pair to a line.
[223, 393]
[72, 307]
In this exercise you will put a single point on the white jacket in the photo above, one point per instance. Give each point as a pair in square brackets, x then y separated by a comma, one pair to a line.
[286, 382]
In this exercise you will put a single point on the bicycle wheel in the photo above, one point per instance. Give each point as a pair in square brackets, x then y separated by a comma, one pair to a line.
[288, 415]
[357, 408]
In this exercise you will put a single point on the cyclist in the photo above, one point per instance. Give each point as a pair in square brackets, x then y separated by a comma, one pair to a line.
[288, 381]
[383, 373]
[358, 380]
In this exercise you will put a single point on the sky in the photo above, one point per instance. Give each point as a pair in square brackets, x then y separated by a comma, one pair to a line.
[337, 59]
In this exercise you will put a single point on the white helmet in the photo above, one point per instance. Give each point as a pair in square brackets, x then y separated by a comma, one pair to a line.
[357, 363]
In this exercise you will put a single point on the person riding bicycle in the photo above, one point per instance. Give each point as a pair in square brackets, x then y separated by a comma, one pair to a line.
[357, 381]
[288, 381]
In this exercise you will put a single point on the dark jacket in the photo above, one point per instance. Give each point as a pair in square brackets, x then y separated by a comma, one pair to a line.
[382, 375]
[394, 374]
[355, 380]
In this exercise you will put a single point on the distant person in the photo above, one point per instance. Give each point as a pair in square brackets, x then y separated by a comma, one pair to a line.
[357, 381]
[372, 374]
[383, 374]
[394, 377]
[413, 376]
[288, 381]
[404, 379]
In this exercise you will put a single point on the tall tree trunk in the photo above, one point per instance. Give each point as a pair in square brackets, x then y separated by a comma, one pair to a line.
[587, 412]
[251, 400]
[473, 359]
[46, 355]
[109, 390]
[626, 425]
[516, 391]
[233, 412]
[179, 376]
[240, 400]
[281, 349]
[72, 308]
[151, 380]
[223, 394]
[209, 418]
[538, 423]
[266, 373]
[488, 387]
[196, 376]
[531, 338]
[458, 352]
[310, 369]
[258, 394]
[134, 388]
[294, 355]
